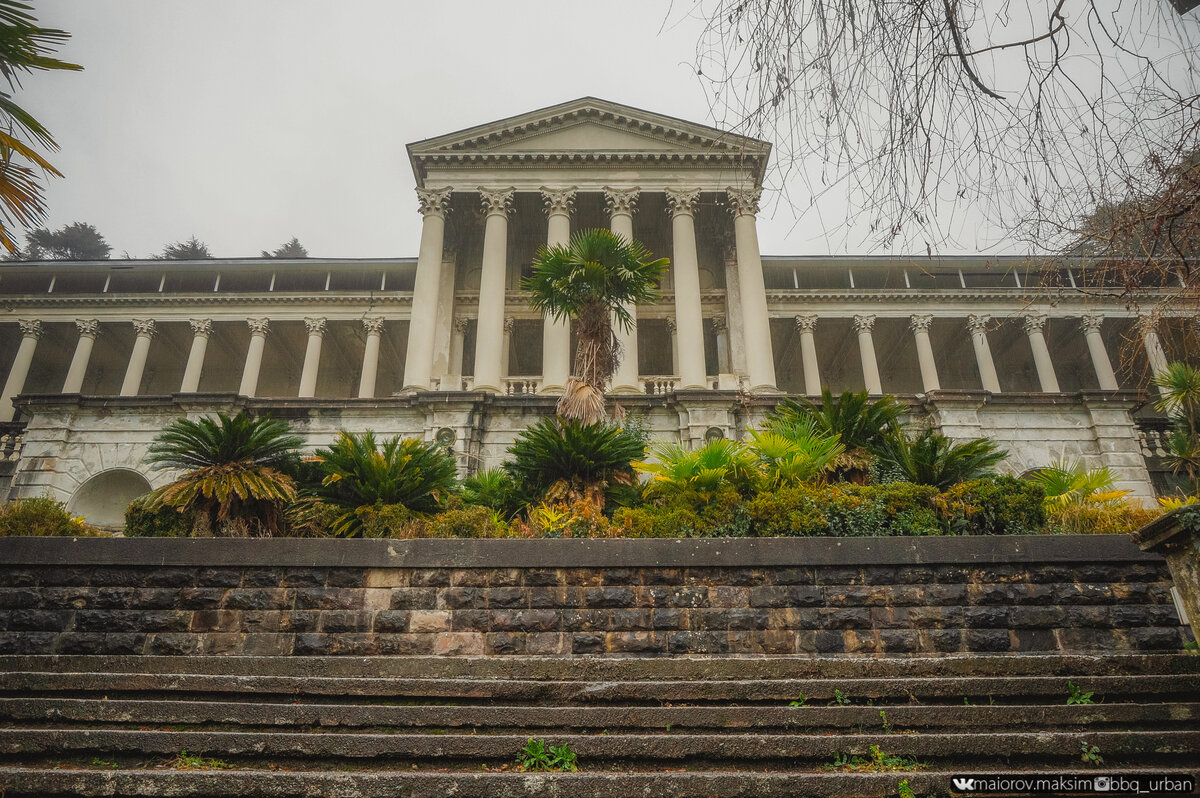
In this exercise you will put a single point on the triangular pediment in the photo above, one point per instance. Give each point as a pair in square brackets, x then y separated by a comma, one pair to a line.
[589, 125]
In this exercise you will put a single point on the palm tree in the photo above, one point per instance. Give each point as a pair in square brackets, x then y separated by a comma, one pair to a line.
[593, 280]
[716, 464]
[794, 452]
[360, 472]
[933, 459]
[1067, 482]
[24, 48]
[1180, 400]
[862, 425]
[232, 477]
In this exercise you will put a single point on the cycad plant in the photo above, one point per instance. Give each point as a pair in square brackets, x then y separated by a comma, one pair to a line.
[1067, 482]
[493, 488]
[716, 464]
[795, 451]
[933, 459]
[569, 461]
[1179, 384]
[361, 472]
[232, 464]
[593, 280]
[861, 424]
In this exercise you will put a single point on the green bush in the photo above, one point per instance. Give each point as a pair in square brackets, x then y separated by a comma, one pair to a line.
[457, 521]
[993, 506]
[162, 521]
[42, 517]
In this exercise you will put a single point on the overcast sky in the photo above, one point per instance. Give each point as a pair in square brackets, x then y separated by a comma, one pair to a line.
[245, 122]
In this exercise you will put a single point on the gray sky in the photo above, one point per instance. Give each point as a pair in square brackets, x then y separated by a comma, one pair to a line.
[245, 122]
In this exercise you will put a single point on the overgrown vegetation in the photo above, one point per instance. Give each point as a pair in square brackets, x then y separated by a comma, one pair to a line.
[42, 516]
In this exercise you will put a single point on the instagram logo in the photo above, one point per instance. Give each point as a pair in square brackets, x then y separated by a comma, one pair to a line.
[1102, 784]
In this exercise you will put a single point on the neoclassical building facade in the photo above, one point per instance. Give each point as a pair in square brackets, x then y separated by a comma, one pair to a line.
[98, 356]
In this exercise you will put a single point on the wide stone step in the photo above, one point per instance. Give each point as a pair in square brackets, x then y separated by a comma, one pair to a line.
[795, 748]
[1112, 688]
[678, 719]
[620, 668]
[20, 783]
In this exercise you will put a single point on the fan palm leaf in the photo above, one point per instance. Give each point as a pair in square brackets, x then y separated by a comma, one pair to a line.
[1067, 482]
[705, 470]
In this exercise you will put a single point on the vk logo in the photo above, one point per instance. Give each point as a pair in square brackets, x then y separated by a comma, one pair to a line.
[964, 785]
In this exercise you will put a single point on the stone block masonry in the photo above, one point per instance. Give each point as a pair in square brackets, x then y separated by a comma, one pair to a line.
[571, 597]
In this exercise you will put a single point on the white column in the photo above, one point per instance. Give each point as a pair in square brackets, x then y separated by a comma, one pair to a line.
[1154, 349]
[88, 330]
[756, 324]
[556, 335]
[373, 325]
[977, 324]
[622, 204]
[201, 330]
[673, 331]
[509, 323]
[458, 339]
[1047, 379]
[137, 358]
[919, 324]
[489, 330]
[418, 362]
[254, 354]
[1095, 343]
[863, 325]
[686, 267]
[31, 331]
[720, 325]
[312, 356]
[805, 324]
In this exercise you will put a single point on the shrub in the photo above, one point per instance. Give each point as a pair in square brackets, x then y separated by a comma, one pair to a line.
[398, 521]
[993, 506]
[42, 516]
[1098, 518]
[149, 519]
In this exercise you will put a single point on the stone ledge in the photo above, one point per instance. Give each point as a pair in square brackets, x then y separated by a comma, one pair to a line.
[578, 553]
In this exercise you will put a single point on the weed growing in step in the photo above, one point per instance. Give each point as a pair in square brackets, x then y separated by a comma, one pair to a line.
[185, 761]
[1090, 755]
[904, 790]
[876, 762]
[1191, 647]
[537, 757]
[97, 762]
[1077, 696]
[801, 701]
[887, 727]
[840, 698]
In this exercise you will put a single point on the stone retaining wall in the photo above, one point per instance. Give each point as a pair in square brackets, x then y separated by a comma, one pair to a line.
[643, 597]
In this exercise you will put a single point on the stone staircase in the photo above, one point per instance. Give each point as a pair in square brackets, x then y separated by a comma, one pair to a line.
[683, 726]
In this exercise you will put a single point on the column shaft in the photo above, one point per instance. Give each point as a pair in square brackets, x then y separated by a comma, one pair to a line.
[254, 355]
[866, 352]
[1047, 379]
[1099, 353]
[489, 332]
[929, 375]
[88, 330]
[418, 361]
[806, 324]
[621, 205]
[201, 330]
[31, 331]
[686, 266]
[137, 358]
[983, 353]
[312, 357]
[756, 324]
[370, 366]
[556, 335]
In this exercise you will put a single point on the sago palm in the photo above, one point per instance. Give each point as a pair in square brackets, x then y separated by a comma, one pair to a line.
[232, 471]
[1180, 400]
[361, 472]
[862, 425]
[933, 459]
[593, 280]
[706, 470]
[568, 460]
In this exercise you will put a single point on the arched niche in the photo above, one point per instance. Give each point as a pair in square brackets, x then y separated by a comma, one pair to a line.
[103, 497]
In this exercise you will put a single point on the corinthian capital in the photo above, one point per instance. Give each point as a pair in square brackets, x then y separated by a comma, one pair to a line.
[373, 324]
[806, 322]
[88, 328]
[30, 328]
[461, 323]
[559, 200]
[621, 200]
[1091, 323]
[259, 326]
[496, 200]
[682, 201]
[433, 201]
[978, 322]
[864, 323]
[315, 325]
[744, 201]
[201, 327]
[144, 327]
[1034, 322]
[920, 322]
